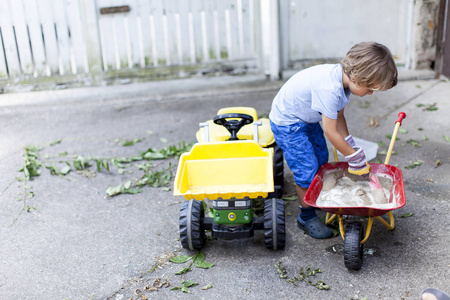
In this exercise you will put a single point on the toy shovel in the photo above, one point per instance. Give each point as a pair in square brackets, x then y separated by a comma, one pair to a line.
[375, 186]
[376, 189]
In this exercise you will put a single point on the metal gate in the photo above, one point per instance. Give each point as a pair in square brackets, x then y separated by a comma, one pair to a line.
[312, 33]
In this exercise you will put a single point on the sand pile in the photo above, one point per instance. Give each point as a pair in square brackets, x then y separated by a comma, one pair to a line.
[351, 190]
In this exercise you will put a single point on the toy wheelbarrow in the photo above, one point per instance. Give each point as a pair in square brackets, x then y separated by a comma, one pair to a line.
[353, 235]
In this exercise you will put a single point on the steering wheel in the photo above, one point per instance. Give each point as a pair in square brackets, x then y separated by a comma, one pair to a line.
[233, 125]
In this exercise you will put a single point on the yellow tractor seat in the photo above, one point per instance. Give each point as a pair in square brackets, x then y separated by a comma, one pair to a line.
[219, 133]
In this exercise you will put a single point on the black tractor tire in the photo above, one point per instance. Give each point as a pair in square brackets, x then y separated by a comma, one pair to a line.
[353, 249]
[192, 233]
[274, 224]
[278, 166]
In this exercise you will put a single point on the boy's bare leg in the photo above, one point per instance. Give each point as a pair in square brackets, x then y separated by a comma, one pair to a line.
[301, 192]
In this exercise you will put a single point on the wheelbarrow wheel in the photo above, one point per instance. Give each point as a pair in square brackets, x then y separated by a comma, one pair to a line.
[274, 224]
[353, 249]
[192, 233]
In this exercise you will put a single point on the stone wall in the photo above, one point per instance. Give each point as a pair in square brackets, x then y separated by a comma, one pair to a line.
[425, 33]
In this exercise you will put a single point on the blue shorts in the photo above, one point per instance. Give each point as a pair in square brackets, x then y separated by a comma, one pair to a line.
[304, 148]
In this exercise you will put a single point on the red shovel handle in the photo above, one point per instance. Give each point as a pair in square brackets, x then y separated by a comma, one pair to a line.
[401, 116]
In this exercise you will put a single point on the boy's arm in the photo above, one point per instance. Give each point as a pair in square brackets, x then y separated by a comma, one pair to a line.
[342, 124]
[336, 131]
[355, 156]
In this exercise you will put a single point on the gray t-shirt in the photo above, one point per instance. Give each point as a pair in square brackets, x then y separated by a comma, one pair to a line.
[308, 94]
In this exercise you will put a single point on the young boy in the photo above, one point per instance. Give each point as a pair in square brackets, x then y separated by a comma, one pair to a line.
[320, 93]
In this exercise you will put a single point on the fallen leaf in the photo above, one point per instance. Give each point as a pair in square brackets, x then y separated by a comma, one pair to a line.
[389, 136]
[207, 287]
[127, 143]
[180, 259]
[55, 142]
[407, 215]
[414, 164]
[438, 163]
[373, 122]
[414, 143]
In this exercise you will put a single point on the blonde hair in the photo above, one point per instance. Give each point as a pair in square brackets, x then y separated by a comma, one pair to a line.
[371, 65]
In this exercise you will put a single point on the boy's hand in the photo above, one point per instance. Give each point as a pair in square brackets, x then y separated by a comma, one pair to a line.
[357, 163]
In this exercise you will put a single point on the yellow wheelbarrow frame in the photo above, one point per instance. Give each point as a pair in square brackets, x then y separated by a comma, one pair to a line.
[391, 225]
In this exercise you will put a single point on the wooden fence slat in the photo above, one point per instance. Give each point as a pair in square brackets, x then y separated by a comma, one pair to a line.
[77, 45]
[90, 29]
[204, 33]
[184, 33]
[48, 31]
[209, 8]
[178, 38]
[105, 23]
[22, 39]
[132, 35]
[247, 28]
[37, 43]
[9, 42]
[240, 25]
[159, 38]
[3, 68]
[153, 39]
[234, 27]
[143, 8]
[62, 37]
[216, 33]
[224, 33]
[172, 42]
[120, 42]
[196, 9]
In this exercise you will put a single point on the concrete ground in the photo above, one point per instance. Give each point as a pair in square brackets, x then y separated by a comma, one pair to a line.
[70, 241]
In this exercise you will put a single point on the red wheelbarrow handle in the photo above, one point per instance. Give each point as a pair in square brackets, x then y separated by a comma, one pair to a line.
[401, 116]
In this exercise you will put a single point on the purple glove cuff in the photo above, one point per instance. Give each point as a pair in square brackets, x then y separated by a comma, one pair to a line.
[350, 141]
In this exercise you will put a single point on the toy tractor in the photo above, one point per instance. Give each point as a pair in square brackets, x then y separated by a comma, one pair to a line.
[234, 166]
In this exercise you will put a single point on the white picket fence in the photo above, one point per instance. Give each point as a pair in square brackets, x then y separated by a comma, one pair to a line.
[42, 39]
[110, 38]
[173, 32]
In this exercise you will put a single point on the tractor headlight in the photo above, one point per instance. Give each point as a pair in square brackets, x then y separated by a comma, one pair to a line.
[222, 203]
[240, 203]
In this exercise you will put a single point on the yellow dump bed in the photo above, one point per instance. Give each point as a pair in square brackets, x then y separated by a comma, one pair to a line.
[225, 169]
